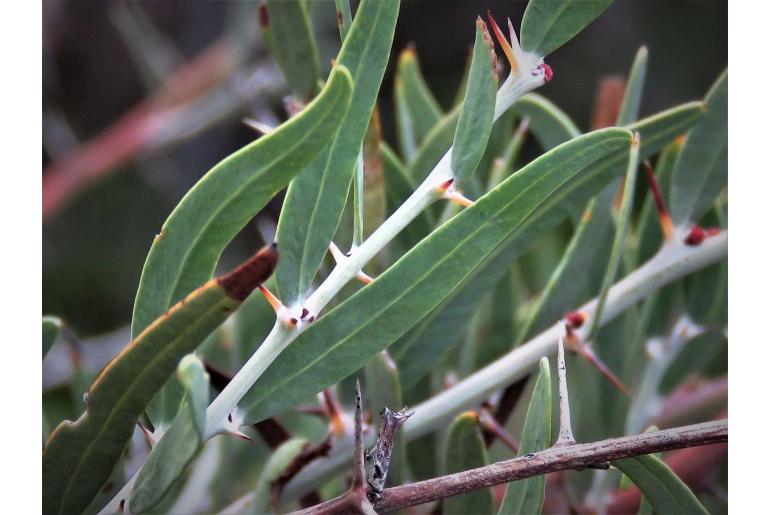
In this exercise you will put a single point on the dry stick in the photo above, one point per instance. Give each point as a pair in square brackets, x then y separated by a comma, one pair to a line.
[577, 457]
[492, 427]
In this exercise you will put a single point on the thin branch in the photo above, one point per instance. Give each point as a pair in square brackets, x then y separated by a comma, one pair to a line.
[576, 457]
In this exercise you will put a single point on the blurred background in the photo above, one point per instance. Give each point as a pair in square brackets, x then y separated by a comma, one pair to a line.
[140, 99]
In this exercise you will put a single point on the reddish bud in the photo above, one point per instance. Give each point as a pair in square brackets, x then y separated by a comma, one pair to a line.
[713, 231]
[547, 70]
[696, 236]
[575, 319]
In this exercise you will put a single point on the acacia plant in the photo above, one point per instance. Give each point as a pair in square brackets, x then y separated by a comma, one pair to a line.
[537, 315]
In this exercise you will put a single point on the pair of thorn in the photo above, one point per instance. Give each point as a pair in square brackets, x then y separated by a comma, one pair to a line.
[282, 312]
[339, 258]
[447, 191]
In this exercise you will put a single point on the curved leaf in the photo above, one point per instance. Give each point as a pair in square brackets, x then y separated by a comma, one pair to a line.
[465, 450]
[348, 336]
[80, 456]
[549, 124]
[660, 486]
[193, 237]
[170, 458]
[548, 24]
[475, 122]
[700, 172]
[528, 495]
[632, 97]
[417, 111]
[316, 198]
[289, 36]
[185, 252]
[418, 350]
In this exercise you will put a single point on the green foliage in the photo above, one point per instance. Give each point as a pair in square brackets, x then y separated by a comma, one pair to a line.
[660, 486]
[288, 34]
[475, 122]
[315, 200]
[700, 173]
[458, 294]
[79, 456]
[465, 450]
[180, 444]
[528, 495]
[548, 24]
[377, 315]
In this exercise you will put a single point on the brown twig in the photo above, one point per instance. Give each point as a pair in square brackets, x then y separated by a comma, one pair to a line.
[577, 457]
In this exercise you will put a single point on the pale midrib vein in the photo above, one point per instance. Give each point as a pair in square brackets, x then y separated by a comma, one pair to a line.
[125, 392]
[438, 263]
[425, 323]
[303, 268]
[174, 285]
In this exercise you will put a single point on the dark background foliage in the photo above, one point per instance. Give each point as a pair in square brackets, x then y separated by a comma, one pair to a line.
[93, 251]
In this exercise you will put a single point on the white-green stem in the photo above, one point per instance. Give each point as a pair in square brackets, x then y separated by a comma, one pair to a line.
[673, 261]
[280, 337]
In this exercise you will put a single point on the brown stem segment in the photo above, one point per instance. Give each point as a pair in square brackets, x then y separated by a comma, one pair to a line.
[576, 456]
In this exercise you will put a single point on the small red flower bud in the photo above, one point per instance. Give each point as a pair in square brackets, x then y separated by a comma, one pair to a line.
[574, 319]
[548, 72]
[713, 231]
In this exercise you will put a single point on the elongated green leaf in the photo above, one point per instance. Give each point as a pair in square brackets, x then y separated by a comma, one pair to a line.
[465, 450]
[436, 143]
[475, 122]
[527, 496]
[316, 198]
[660, 486]
[500, 332]
[288, 34]
[632, 97]
[51, 328]
[548, 24]
[181, 443]
[417, 111]
[80, 456]
[578, 275]
[185, 252]
[419, 349]
[398, 186]
[348, 336]
[549, 124]
[701, 169]
[623, 221]
[344, 18]
[193, 237]
[276, 465]
[373, 198]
